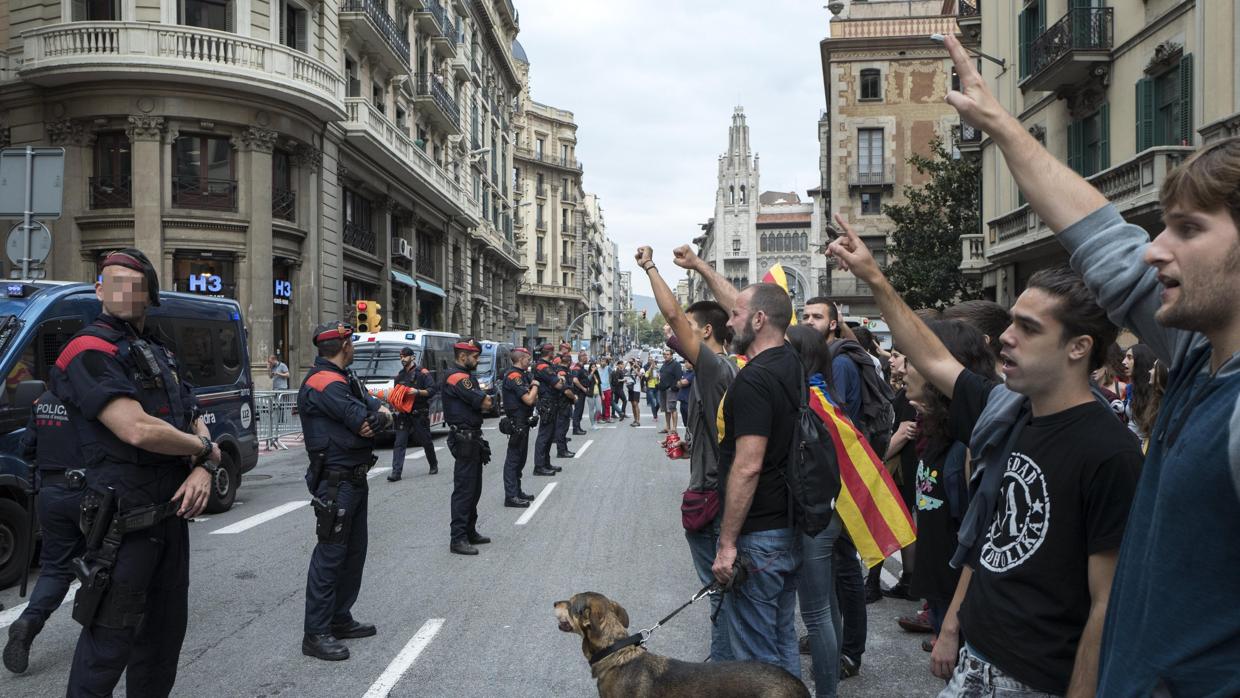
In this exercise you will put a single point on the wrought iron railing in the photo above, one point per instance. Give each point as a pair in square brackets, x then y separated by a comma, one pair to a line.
[425, 264]
[284, 204]
[568, 163]
[387, 26]
[968, 8]
[111, 191]
[204, 193]
[966, 134]
[430, 86]
[871, 175]
[359, 237]
[1081, 29]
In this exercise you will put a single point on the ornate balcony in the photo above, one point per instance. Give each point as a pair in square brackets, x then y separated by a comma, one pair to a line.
[431, 93]
[371, 22]
[431, 18]
[284, 204]
[359, 237]
[461, 67]
[1070, 50]
[552, 291]
[444, 44]
[972, 254]
[111, 191]
[969, 17]
[208, 194]
[532, 156]
[101, 52]
[391, 146]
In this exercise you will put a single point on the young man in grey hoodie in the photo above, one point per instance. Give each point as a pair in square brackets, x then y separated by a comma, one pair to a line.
[1165, 633]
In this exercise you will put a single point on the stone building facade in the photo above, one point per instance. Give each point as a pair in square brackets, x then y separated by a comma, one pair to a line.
[295, 155]
[885, 81]
[1122, 91]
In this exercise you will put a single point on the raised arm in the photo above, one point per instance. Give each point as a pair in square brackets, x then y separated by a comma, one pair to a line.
[725, 292]
[921, 346]
[673, 314]
[1054, 191]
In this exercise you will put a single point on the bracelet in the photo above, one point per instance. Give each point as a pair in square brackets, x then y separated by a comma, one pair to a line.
[648, 267]
[206, 448]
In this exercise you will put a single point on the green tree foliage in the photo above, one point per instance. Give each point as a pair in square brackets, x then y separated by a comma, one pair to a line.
[925, 250]
[650, 331]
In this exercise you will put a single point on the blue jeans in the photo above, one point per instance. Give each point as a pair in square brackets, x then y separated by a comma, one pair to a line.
[820, 609]
[975, 677]
[702, 547]
[761, 613]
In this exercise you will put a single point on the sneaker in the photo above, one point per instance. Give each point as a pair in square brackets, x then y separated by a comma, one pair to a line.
[919, 623]
[803, 644]
[849, 667]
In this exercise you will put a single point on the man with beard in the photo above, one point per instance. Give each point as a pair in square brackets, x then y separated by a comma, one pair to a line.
[1165, 633]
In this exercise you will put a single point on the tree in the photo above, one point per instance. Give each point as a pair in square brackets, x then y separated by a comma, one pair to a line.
[925, 248]
[650, 331]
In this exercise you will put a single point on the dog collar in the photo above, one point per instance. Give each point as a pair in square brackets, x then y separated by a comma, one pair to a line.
[615, 647]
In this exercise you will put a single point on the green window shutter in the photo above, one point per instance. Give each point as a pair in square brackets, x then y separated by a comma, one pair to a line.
[1024, 42]
[1186, 99]
[1076, 132]
[1104, 141]
[1145, 114]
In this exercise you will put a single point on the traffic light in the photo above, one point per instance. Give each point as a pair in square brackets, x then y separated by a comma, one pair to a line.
[643, 315]
[368, 318]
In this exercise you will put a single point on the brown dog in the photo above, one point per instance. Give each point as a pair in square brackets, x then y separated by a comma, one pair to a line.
[632, 672]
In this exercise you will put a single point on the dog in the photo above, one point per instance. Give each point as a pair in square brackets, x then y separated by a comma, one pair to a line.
[632, 672]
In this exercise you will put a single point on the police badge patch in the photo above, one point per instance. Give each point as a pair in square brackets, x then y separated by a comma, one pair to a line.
[467, 384]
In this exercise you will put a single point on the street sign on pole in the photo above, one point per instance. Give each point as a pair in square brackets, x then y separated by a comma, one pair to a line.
[31, 185]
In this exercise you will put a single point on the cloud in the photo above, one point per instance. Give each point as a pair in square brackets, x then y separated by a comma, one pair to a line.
[652, 85]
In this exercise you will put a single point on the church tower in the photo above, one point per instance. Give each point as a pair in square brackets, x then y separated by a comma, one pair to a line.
[736, 205]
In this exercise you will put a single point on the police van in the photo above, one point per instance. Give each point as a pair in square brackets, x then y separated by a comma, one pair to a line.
[493, 363]
[376, 360]
[208, 338]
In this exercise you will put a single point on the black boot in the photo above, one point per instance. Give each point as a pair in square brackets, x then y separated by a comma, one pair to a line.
[353, 630]
[565, 454]
[478, 539]
[544, 472]
[461, 547]
[17, 652]
[873, 585]
[324, 647]
[516, 502]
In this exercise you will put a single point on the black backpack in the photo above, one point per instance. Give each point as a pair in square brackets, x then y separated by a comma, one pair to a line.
[878, 413]
[813, 470]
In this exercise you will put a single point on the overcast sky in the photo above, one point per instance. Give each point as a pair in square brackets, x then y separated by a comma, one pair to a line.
[652, 85]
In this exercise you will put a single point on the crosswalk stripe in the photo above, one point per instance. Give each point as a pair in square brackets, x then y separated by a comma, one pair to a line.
[8, 615]
[258, 519]
[405, 659]
[538, 501]
[583, 448]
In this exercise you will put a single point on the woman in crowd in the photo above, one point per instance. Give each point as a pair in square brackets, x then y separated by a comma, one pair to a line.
[633, 385]
[1109, 378]
[1138, 362]
[1148, 412]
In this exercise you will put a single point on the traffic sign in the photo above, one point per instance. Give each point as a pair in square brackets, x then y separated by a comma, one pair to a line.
[46, 179]
[40, 243]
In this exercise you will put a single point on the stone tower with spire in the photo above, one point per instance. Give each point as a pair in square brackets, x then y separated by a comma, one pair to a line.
[736, 205]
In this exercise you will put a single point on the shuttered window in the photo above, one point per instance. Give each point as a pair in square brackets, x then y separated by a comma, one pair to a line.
[1165, 107]
[294, 28]
[1089, 143]
[1032, 23]
[96, 11]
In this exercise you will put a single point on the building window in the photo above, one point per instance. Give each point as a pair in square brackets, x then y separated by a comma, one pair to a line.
[538, 148]
[207, 14]
[538, 218]
[1165, 106]
[1032, 24]
[563, 219]
[358, 232]
[871, 203]
[1089, 150]
[870, 152]
[377, 97]
[736, 244]
[871, 85]
[539, 248]
[283, 198]
[564, 279]
[744, 195]
[204, 178]
[540, 281]
[110, 185]
[564, 249]
[96, 11]
[294, 27]
[350, 71]
[564, 152]
[732, 195]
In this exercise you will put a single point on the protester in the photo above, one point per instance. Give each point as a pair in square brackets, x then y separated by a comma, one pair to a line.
[603, 371]
[1108, 379]
[1138, 362]
[650, 374]
[633, 384]
[1147, 414]
[669, 377]
[620, 391]
[1031, 603]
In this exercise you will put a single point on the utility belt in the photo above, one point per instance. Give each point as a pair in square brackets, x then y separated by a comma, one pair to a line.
[74, 479]
[466, 443]
[105, 528]
[331, 519]
[517, 423]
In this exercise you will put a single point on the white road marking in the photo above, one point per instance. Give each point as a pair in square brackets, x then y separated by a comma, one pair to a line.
[8, 615]
[583, 448]
[644, 426]
[376, 472]
[422, 452]
[387, 680]
[542, 497]
[257, 519]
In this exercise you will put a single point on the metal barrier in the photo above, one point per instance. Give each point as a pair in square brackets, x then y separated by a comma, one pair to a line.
[277, 416]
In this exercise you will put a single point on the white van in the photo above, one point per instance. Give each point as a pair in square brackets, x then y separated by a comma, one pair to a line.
[376, 360]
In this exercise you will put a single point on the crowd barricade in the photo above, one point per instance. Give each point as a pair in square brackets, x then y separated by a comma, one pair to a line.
[277, 417]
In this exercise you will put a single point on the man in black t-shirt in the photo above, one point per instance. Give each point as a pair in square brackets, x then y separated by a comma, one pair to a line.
[1054, 479]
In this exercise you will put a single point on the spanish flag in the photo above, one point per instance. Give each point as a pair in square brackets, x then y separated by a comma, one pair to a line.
[869, 505]
[775, 275]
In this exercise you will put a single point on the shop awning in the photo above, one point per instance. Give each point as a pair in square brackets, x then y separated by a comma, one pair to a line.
[402, 278]
[431, 289]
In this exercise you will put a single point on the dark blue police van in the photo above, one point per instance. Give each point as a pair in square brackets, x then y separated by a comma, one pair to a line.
[208, 337]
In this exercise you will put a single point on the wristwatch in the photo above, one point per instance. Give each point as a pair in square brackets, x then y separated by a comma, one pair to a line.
[202, 459]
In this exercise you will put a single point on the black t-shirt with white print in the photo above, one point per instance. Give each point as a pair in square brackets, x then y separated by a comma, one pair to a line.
[1065, 495]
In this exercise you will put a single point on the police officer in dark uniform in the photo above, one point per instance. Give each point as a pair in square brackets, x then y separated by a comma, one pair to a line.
[550, 387]
[417, 422]
[463, 405]
[59, 478]
[567, 400]
[520, 395]
[583, 385]
[339, 420]
[137, 422]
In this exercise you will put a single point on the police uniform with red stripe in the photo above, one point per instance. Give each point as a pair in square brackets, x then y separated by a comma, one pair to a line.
[136, 622]
[334, 408]
[550, 386]
[416, 424]
[463, 402]
[564, 416]
[516, 386]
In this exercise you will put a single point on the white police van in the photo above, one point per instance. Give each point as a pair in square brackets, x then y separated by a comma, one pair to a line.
[376, 360]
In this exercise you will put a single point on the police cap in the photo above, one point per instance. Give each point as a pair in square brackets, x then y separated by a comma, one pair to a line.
[470, 344]
[332, 329]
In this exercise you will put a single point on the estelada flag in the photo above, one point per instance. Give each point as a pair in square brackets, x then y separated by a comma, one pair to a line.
[869, 505]
[775, 275]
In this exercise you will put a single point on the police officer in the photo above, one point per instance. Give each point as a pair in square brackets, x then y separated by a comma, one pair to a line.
[59, 478]
[339, 420]
[137, 422]
[583, 386]
[550, 387]
[417, 423]
[567, 400]
[520, 394]
[463, 405]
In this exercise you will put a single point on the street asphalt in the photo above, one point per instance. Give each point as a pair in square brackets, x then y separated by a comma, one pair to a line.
[452, 625]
